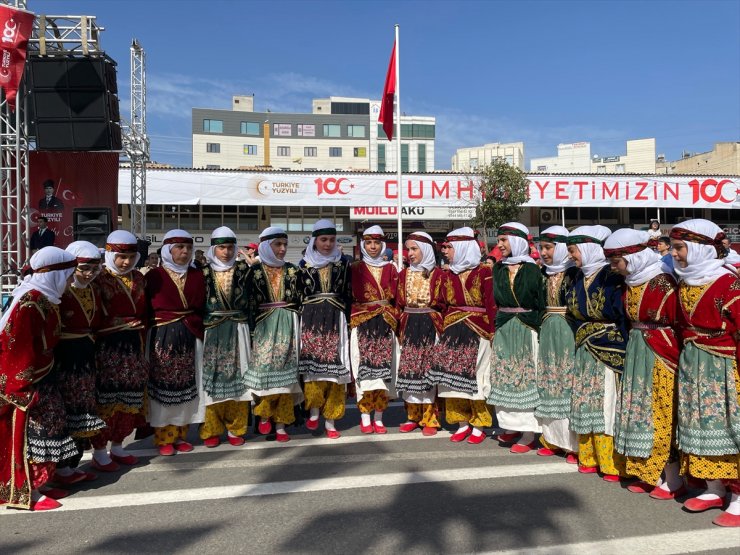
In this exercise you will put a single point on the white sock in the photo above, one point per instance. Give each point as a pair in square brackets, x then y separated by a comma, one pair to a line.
[715, 489]
[118, 450]
[64, 471]
[314, 414]
[279, 428]
[102, 457]
[232, 435]
[673, 480]
[329, 425]
[365, 419]
[477, 432]
[379, 417]
[734, 507]
[526, 439]
[463, 426]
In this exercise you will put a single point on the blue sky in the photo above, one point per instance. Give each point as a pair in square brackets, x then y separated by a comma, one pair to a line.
[543, 72]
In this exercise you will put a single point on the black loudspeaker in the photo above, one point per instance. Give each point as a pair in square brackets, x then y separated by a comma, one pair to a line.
[73, 103]
[142, 245]
[92, 224]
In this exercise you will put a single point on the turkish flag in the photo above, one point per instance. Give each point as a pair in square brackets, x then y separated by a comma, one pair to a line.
[15, 29]
[389, 92]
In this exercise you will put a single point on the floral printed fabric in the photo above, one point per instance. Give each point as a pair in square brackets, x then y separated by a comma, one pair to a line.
[322, 342]
[556, 368]
[123, 370]
[375, 339]
[417, 352]
[513, 368]
[456, 359]
[587, 401]
[274, 353]
[172, 378]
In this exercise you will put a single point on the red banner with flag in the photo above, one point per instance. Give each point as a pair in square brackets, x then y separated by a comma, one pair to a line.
[16, 26]
[389, 92]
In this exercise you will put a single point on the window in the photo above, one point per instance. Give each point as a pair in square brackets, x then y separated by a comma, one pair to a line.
[250, 150]
[335, 152]
[213, 147]
[411, 131]
[541, 168]
[619, 168]
[356, 131]
[381, 158]
[213, 167]
[473, 164]
[281, 130]
[283, 151]
[600, 169]
[249, 128]
[361, 108]
[404, 157]
[421, 155]
[310, 151]
[305, 130]
[360, 152]
[213, 126]
[331, 130]
[509, 159]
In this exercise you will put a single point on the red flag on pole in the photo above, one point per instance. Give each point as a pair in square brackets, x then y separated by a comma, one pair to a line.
[15, 29]
[389, 92]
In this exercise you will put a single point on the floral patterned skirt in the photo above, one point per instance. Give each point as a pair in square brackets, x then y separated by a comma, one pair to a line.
[224, 366]
[274, 361]
[555, 368]
[375, 344]
[456, 360]
[324, 344]
[594, 398]
[514, 367]
[47, 437]
[123, 371]
[417, 352]
[708, 403]
[74, 373]
[172, 378]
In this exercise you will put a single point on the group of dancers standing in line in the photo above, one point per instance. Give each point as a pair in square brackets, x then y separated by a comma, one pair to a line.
[628, 369]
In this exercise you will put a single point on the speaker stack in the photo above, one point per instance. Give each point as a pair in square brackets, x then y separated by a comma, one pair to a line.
[92, 224]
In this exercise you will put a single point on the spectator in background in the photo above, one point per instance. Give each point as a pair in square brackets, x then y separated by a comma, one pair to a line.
[664, 250]
[388, 254]
[249, 254]
[654, 230]
[43, 236]
[152, 261]
[199, 259]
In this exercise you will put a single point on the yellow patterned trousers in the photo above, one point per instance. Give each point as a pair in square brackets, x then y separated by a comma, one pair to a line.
[598, 450]
[476, 413]
[225, 416]
[425, 414]
[373, 400]
[327, 396]
[278, 408]
[165, 435]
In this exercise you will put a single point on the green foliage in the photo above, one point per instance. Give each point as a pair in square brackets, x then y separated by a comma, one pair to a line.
[502, 190]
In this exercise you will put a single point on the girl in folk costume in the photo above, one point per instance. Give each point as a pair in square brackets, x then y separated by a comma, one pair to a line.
[274, 304]
[646, 406]
[708, 402]
[177, 294]
[519, 293]
[75, 371]
[32, 435]
[327, 297]
[225, 343]
[373, 322]
[555, 364]
[597, 317]
[463, 357]
[422, 304]
[123, 370]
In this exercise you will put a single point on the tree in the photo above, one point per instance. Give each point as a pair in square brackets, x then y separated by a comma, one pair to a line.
[501, 192]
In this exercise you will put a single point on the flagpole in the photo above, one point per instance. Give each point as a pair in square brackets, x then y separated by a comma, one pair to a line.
[398, 153]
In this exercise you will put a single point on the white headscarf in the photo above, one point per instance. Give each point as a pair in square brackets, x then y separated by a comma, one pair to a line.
[467, 252]
[120, 242]
[267, 256]
[167, 262]
[366, 258]
[519, 246]
[592, 254]
[314, 258]
[561, 261]
[84, 252]
[702, 264]
[428, 260]
[51, 283]
[222, 232]
[642, 265]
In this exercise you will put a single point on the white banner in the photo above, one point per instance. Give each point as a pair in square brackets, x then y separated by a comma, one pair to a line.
[426, 213]
[206, 187]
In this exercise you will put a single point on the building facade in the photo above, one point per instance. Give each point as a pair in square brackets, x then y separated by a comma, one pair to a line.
[723, 159]
[577, 158]
[571, 158]
[339, 134]
[469, 159]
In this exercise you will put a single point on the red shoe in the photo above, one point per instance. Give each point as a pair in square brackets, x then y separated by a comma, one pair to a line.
[587, 469]
[311, 424]
[429, 431]
[507, 437]
[379, 428]
[166, 450]
[366, 429]
[641, 487]
[110, 467]
[475, 440]
[333, 434]
[68, 480]
[55, 493]
[696, 505]
[266, 427]
[545, 452]
[235, 441]
[183, 447]
[407, 427]
[282, 438]
[519, 448]
[571, 458]
[662, 494]
[46, 504]
[615, 478]
[728, 520]
[212, 442]
[87, 476]
[460, 435]
[128, 460]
